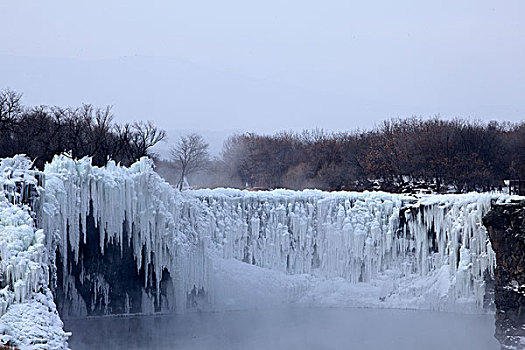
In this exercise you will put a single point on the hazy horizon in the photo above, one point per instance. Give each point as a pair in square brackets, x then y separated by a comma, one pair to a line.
[271, 66]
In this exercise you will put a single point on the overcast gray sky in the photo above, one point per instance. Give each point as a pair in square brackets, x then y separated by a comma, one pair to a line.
[269, 65]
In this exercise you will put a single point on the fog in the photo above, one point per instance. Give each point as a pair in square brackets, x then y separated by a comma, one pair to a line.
[288, 328]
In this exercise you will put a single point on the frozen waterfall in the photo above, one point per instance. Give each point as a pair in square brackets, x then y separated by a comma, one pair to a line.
[400, 251]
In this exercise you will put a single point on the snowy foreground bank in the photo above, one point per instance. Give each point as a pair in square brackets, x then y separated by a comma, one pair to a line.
[230, 249]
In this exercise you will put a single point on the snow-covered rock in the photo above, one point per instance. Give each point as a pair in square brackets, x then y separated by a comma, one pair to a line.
[28, 315]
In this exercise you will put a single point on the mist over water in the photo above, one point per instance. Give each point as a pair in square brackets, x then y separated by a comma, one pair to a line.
[288, 328]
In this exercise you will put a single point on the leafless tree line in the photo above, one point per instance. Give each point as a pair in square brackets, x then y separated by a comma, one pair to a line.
[452, 155]
[448, 154]
[43, 131]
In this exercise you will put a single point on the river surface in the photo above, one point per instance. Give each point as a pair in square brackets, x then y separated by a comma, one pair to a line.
[288, 328]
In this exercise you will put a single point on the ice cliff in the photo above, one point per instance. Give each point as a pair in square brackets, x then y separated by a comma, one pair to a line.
[122, 240]
[421, 252]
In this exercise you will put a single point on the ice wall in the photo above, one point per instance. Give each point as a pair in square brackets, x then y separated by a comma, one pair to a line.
[229, 247]
[426, 252]
[160, 224]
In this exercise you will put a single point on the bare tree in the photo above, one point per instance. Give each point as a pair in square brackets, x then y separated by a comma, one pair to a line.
[10, 106]
[190, 154]
[146, 135]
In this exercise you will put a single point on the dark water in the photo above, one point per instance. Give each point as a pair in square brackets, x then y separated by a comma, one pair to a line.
[288, 328]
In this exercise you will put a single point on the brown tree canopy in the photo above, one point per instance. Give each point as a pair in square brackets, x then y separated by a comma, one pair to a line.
[455, 155]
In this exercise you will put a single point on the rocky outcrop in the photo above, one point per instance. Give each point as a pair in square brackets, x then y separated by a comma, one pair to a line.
[506, 227]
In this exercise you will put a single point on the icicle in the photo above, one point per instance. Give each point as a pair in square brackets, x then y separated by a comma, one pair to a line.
[360, 237]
